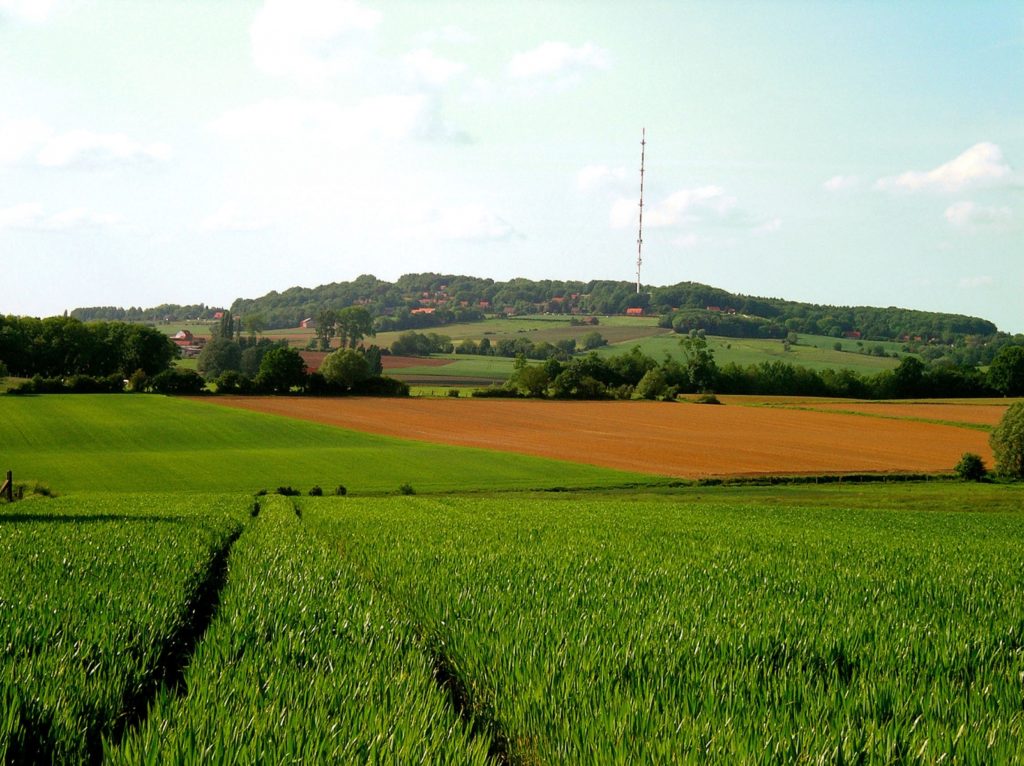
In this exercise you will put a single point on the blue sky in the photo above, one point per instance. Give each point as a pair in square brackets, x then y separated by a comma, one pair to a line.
[197, 151]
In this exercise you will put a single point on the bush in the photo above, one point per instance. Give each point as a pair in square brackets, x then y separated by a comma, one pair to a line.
[406, 489]
[707, 399]
[340, 490]
[971, 467]
[176, 381]
[316, 491]
[287, 491]
[453, 392]
[1007, 441]
[381, 386]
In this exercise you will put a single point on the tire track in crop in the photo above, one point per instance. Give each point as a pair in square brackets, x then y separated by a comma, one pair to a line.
[177, 651]
[475, 712]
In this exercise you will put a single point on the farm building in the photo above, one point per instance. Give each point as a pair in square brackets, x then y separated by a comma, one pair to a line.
[308, 323]
[635, 312]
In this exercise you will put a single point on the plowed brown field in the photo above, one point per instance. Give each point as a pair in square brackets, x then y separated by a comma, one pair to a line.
[683, 440]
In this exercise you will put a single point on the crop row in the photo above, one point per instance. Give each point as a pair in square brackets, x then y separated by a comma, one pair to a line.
[598, 632]
[304, 663]
[97, 603]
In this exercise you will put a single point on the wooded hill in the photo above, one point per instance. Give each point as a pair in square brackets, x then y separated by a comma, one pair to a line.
[462, 298]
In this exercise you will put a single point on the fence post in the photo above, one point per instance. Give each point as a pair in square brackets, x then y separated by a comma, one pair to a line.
[7, 490]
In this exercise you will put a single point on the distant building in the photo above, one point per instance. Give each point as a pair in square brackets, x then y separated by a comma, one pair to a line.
[854, 334]
[635, 312]
[308, 323]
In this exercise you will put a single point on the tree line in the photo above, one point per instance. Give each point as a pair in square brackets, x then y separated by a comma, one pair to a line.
[637, 375]
[62, 346]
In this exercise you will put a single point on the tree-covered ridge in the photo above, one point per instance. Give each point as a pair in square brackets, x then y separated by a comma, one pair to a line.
[165, 312]
[449, 297]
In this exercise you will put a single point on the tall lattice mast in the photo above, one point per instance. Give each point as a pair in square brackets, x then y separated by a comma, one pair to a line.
[640, 229]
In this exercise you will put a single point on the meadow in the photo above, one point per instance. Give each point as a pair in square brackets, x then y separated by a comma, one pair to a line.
[184, 618]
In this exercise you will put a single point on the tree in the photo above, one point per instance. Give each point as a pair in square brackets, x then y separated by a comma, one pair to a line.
[1006, 373]
[531, 379]
[218, 356]
[652, 384]
[700, 361]
[326, 326]
[354, 323]
[346, 368]
[280, 370]
[1007, 441]
[254, 323]
[909, 377]
[593, 340]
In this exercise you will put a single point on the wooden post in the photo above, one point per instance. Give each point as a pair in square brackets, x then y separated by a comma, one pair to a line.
[7, 490]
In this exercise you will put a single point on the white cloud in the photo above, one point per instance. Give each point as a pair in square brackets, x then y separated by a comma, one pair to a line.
[32, 11]
[983, 163]
[33, 141]
[768, 227]
[230, 217]
[973, 283]
[425, 67]
[472, 222]
[310, 40]
[312, 122]
[841, 183]
[597, 177]
[449, 34]
[966, 213]
[21, 138]
[558, 61]
[84, 148]
[682, 207]
[31, 216]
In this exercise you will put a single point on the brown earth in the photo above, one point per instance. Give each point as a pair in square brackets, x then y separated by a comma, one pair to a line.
[683, 440]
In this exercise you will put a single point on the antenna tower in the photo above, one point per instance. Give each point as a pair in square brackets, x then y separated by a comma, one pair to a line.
[640, 229]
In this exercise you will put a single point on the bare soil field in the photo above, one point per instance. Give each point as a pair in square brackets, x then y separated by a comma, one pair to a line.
[667, 439]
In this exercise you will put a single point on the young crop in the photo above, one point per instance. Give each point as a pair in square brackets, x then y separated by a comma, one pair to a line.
[96, 599]
[304, 663]
[607, 633]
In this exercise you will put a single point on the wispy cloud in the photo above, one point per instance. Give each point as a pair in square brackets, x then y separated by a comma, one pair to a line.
[311, 122]
[33, 217]
[841, 183]
[32, 141]
[424, 67]
[557, 63]
[682, 207]
[311, 40]
[472, 222]
[967, 214]
[600, 177]
[31, 11]
[229, 217]
[973, 283]
[982, 164]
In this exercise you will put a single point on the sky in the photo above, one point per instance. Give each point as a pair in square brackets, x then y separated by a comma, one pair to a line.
[199, 151]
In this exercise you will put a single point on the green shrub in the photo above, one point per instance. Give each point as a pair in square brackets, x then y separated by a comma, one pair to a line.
[453, 392]
[406, 489]
[316, 491]
[971, 467]
[340, 490]
[287, 491]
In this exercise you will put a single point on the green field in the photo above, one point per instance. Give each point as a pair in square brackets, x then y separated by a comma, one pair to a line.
[873, 624]
[814, 352]
[146, 443]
